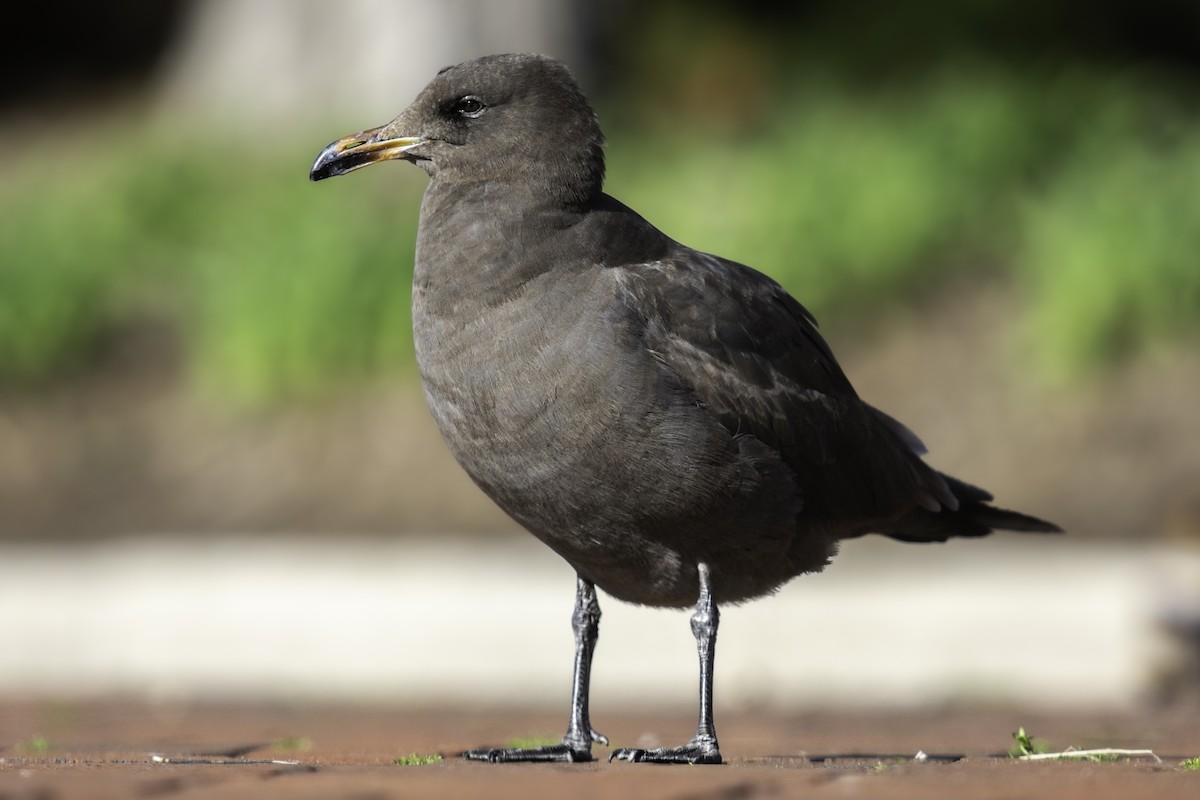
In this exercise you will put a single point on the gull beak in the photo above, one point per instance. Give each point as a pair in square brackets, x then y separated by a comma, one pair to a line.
[360, 150]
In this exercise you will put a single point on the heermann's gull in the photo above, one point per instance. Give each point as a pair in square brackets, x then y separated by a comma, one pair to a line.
[669, 422]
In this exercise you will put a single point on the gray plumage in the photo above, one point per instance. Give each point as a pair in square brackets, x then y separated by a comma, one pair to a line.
[640, 407]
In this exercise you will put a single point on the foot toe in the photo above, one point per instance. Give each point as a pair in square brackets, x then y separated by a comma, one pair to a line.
[687, 754]
[512, 755]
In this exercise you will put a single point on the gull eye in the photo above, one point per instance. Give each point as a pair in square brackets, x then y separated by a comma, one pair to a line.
[469, 106]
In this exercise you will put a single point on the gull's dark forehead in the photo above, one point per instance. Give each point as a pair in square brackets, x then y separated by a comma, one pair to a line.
[474, 77]
[500, 76]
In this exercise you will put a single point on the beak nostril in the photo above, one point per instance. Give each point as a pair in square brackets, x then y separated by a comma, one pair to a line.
[360, 141]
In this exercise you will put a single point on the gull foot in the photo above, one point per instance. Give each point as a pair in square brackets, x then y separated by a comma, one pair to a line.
[512, 755]
[690, 753]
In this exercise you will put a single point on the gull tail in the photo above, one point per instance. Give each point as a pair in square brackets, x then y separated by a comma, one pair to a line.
[973, 517]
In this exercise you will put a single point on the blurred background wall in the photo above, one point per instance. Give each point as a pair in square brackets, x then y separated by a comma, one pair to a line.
[992, 207]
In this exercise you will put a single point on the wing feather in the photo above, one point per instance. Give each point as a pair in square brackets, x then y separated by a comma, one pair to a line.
[753, 357]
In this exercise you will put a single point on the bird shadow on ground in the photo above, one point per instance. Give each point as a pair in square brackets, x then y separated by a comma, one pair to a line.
[235, 751]
[829, 758]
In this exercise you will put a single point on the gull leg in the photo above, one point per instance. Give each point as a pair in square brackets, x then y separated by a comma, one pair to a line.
[703, 748]
[577, 743]
[585, 621]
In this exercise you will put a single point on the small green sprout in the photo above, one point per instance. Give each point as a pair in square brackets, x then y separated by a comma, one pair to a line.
[38, 744]
[298, 743]
[417, 760]
[1191, 764]
[1026, 745]
[530, 742]
[1102, 756]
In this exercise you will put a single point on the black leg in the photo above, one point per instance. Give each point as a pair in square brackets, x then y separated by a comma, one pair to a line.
[585, 621]
[703, 748]
[577, 744]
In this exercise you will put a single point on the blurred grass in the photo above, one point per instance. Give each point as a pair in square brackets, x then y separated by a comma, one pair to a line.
[848, 200]
[305, 288]
[1111, 248]
[1082, 190]
[279, 290]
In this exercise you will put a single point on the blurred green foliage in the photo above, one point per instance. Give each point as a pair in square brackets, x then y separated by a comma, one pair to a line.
[1111, 248]
[279, 290]
[1081, 189]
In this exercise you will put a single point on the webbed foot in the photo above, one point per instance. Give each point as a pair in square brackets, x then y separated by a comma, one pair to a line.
[694, 752]
[510, 755]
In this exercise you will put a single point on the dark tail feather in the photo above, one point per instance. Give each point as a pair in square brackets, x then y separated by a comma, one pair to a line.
[974, 517]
